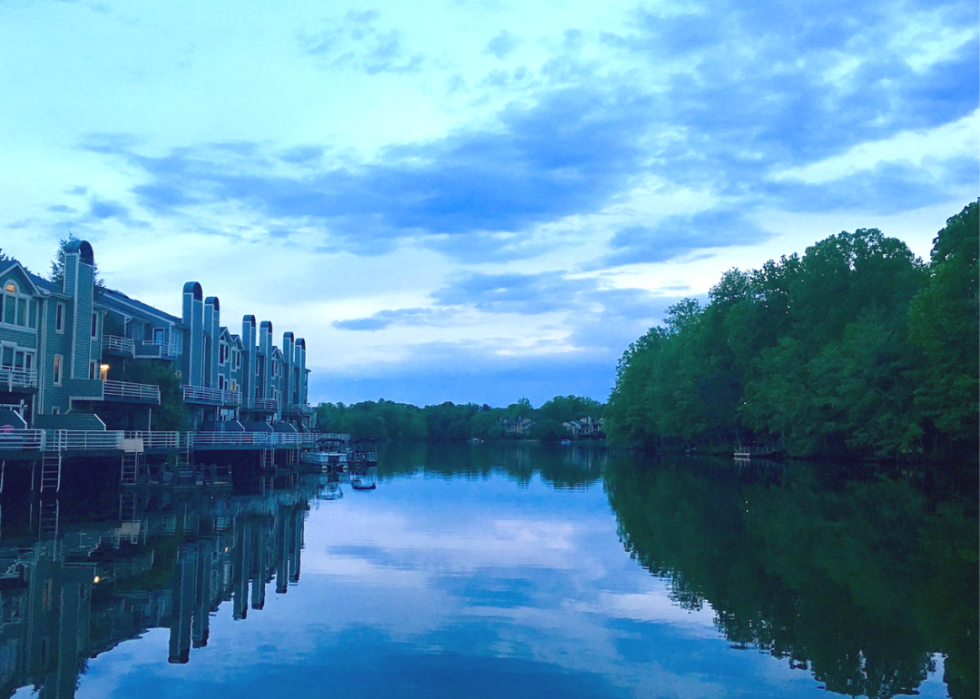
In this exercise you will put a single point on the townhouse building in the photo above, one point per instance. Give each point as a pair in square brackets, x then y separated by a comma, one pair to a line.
[72, 353]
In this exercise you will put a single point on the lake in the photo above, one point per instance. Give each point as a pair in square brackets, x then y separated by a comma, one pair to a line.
[497, 571]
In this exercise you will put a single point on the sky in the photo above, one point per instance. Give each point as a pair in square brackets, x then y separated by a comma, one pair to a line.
[474, 200]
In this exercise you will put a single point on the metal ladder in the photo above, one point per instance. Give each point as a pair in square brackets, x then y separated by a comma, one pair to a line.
[47, 522]
[132, 466]
[51, 471]
[127, 506]
[268, 458]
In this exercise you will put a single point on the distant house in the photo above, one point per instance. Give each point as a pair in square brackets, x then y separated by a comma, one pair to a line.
[64, 348]
[584, 427]
[519, 426]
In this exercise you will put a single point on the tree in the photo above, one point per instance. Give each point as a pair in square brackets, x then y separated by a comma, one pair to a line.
[945, 324]
[57, 273]
[172, 415]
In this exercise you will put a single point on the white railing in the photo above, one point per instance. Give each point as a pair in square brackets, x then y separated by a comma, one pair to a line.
[163, 349]
[18, 378]
[60, 440]
[21, 440]
[330, 436]
[297, 408]
[159, 440]
[211, 439]
[80, 440]
[122, 345]
[214, 396]
[125, 389]
[263, 404]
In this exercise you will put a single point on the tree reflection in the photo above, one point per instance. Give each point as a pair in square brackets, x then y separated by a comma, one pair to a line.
[860, 582]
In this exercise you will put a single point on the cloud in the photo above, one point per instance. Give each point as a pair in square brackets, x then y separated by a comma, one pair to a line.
[721, 107]
[568, 154]
[502, 45]
[675, 236]
[387, 318]
[356, 42]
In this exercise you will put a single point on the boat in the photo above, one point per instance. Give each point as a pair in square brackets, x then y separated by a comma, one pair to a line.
[362, 455]
[364, 479]
[566, 442]
[328, 461]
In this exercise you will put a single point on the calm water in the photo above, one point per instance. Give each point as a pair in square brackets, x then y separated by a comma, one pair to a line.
[497, 572]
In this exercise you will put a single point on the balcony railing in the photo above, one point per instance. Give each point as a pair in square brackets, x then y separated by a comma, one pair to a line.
[80, 440]
[270, 404]
[18, 378]
[211, 396]
[118, 345]
[297, 409]
[159, 440]
[124, 390]
[164, 350]
[21, 440]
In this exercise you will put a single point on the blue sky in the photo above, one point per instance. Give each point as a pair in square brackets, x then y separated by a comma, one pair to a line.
[474, 200]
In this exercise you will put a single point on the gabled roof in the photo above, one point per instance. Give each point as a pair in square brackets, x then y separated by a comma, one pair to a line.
[39, 283]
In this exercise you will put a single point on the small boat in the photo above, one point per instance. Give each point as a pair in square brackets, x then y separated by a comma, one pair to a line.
[566, 442]
[328, 461]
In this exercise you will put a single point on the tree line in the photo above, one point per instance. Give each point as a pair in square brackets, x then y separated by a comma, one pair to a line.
[450, 422]
[856, 348]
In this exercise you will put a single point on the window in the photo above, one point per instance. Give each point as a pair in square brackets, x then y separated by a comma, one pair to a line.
[56, 374]
[17, 308]
[95, 325]
[59, 317]
[93, 370]
[55, 411]
[233, 385]
[157, 336]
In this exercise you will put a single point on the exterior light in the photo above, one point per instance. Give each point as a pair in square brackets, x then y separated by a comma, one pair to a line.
[96, 579]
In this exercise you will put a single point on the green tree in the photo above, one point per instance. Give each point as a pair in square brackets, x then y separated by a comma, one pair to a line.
[945, 324]
[57, 273]
[172, 415]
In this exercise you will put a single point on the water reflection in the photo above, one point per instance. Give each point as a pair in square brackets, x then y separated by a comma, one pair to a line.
[168, 562]
[564, 468]
[486, 571]
[862, 581]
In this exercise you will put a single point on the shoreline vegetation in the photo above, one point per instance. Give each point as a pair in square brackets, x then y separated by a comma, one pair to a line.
[855, 350]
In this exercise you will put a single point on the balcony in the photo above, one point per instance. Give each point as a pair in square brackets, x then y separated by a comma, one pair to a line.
[115, 391]
[297, 409]
[270, 405]
[13, 379]
[131, 392]
[211, 396]
[148, 349]
[119, 346]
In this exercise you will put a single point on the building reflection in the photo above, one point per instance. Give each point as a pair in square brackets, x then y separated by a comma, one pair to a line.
[166, 562]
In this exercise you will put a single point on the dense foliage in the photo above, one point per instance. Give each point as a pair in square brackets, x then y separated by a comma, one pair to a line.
[449, 422]
[857, 347]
